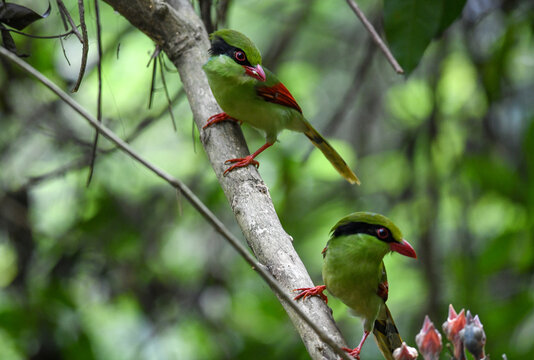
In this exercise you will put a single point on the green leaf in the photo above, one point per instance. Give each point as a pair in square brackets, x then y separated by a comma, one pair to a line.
[410, 25]
[452, 9]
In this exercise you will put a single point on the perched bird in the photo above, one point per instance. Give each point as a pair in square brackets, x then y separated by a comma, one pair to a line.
[249, 93]
[354, 272]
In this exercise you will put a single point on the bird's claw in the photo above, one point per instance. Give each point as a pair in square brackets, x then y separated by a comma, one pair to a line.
[217, 118]
[314, 291]
[355, 353]
[241, 162]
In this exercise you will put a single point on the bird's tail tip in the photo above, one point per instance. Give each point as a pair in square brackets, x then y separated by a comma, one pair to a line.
[353, 179]
[332, 155]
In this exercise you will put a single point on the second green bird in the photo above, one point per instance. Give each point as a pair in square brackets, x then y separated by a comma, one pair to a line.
[354, 272]
[249, 93]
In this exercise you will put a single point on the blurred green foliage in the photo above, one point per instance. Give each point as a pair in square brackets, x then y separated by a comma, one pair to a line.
[125, 269]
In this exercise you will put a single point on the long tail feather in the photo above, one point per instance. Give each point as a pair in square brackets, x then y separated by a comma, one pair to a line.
[386, 334]
[331, 154]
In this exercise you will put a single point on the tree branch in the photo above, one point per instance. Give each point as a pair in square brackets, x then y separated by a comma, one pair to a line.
[285, 296]
[99, 94]
[177, 29]
[85, 45]
[377, 39]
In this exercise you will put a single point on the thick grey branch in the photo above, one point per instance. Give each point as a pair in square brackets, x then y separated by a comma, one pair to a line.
[177, 29]
[283, 295]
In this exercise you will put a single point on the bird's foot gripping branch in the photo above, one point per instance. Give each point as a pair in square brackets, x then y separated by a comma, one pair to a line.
[217, 118]
[353, 257]
[313, 291]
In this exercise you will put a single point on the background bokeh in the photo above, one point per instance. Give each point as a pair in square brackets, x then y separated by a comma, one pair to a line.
[126, 269]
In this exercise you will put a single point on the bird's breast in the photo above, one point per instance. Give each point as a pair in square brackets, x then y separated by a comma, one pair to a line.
[352, 279]
[240, 101]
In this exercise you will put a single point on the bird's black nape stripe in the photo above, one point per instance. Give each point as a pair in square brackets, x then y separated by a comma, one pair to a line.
[361, 228]
[221, 47]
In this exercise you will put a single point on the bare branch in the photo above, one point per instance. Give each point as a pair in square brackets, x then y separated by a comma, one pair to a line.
[352, 92]
[166, 90]
[205, 14]
[270, 275]
[178, 30]
[64, 52]
[99, 95]
[221, 12]
[65, 14]
[85, 161]
[154, 56]
[378, 40]
[85, 46]
[40, 36]
[286, 36]
[350, 96]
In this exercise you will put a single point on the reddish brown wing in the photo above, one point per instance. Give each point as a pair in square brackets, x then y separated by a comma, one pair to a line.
[278, 94]
[383, 290]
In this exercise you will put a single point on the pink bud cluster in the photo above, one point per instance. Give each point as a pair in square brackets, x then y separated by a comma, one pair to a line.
[464, 331]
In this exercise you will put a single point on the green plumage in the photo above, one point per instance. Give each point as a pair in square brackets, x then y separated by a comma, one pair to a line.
[265, 104]
[241, 41]
[353, 271]
[236, 94]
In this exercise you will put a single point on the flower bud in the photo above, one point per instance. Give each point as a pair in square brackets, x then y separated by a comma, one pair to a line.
[473, 336]
[405, 352]
[452, 327]
[429, 340]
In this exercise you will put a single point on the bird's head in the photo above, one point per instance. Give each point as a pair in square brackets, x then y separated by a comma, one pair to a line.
[378, 226]
[240, 51]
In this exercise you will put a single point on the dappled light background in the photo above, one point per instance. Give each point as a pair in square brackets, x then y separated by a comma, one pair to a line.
[126, 269]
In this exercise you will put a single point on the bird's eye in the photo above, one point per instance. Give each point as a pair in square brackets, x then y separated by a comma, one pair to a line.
[239, 55]
[382, 233]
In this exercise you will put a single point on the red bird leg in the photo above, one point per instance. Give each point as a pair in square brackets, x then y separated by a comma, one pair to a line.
[314, 291]
[356, 351]
[217, 118]
[242, 162]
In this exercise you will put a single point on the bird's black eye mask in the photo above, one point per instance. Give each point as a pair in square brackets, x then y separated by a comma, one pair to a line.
[221, 47]
[382, 233]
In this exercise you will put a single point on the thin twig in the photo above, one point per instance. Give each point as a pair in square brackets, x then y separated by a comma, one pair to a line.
[352, 92]
[205, 15]
[378, 40]
[167, 96]
[40, 36]
[287, 34]
[62, 14]
[84, 161]
[152, 83]
[64, 52]
[99, 96]
[188, 194]
[221, 13]
[154, 56]
[65, 13]
[349, 98]
[85, 46]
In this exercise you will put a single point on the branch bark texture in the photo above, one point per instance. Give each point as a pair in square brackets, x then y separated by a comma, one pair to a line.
[178, 30]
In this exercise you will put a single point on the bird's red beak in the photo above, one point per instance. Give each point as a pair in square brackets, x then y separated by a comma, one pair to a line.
[255, 71]
[403, 248]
